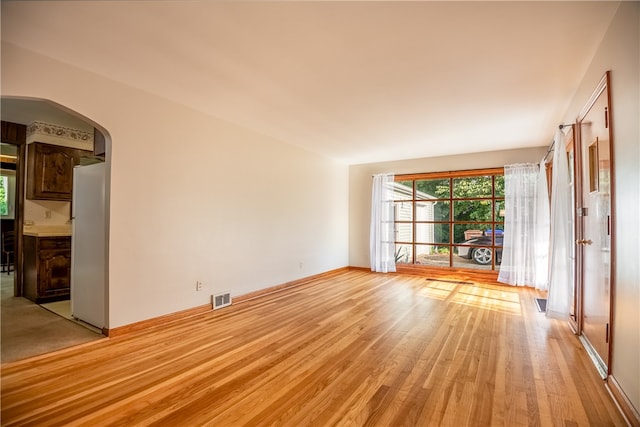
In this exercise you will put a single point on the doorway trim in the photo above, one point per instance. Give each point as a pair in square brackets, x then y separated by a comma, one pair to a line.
[16, 134]
[603, 85]
[105, 139]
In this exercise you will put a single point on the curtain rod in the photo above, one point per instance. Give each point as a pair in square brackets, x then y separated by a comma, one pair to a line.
[553, 141]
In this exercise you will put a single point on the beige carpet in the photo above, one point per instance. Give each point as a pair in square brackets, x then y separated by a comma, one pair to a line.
[28, 330]
[61, 308]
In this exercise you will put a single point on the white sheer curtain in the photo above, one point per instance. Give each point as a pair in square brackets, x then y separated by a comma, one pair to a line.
[381, 243]
[561, 267]
[518, 265]
[542, 229]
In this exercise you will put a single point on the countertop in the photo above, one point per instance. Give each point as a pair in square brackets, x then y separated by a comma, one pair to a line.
[47, 230]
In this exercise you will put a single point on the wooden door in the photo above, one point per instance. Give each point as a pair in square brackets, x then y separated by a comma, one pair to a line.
[595, 226]
[575, 311]
[16, 134]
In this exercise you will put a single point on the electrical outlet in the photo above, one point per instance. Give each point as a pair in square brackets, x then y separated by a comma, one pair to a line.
[198, 285]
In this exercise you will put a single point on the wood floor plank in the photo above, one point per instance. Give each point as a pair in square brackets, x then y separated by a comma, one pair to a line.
[350, 349]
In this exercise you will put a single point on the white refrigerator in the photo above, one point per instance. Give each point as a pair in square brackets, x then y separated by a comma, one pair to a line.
[88, 244]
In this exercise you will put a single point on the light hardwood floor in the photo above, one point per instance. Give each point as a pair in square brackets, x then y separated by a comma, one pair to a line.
[351, 349]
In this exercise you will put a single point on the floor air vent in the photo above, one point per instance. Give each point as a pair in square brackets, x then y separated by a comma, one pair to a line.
[221, 300]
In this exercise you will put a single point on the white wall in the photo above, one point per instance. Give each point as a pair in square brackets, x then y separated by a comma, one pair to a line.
[193, 197]
[360, 185]
[620, 53]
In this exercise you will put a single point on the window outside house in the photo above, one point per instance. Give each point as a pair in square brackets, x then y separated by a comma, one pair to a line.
[453, 219]
[4, 195]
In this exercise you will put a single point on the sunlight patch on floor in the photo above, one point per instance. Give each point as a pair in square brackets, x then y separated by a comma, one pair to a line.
[438, 290]
[489, 298]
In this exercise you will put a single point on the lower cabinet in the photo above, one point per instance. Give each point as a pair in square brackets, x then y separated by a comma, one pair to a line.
[47, 268]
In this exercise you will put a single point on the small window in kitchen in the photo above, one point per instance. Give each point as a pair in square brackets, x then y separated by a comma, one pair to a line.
[4, 195]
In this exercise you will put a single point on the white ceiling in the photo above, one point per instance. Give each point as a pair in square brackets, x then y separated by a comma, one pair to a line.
[356, 81]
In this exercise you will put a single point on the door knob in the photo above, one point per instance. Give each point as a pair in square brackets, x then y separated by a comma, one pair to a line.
[583, 242]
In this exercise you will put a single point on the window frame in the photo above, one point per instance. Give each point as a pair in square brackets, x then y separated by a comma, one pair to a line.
[496, 222]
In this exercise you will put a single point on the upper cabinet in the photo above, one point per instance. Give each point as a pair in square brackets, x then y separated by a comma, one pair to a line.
[14, 133]
[50, 171]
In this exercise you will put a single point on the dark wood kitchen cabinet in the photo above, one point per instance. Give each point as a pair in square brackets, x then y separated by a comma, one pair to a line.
[50, 171]
[47, 268]
[13, 133]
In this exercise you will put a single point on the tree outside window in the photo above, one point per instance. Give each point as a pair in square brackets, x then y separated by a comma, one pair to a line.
[4, 195]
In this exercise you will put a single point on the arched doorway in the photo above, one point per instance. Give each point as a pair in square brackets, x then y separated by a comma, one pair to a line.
[51, 125]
